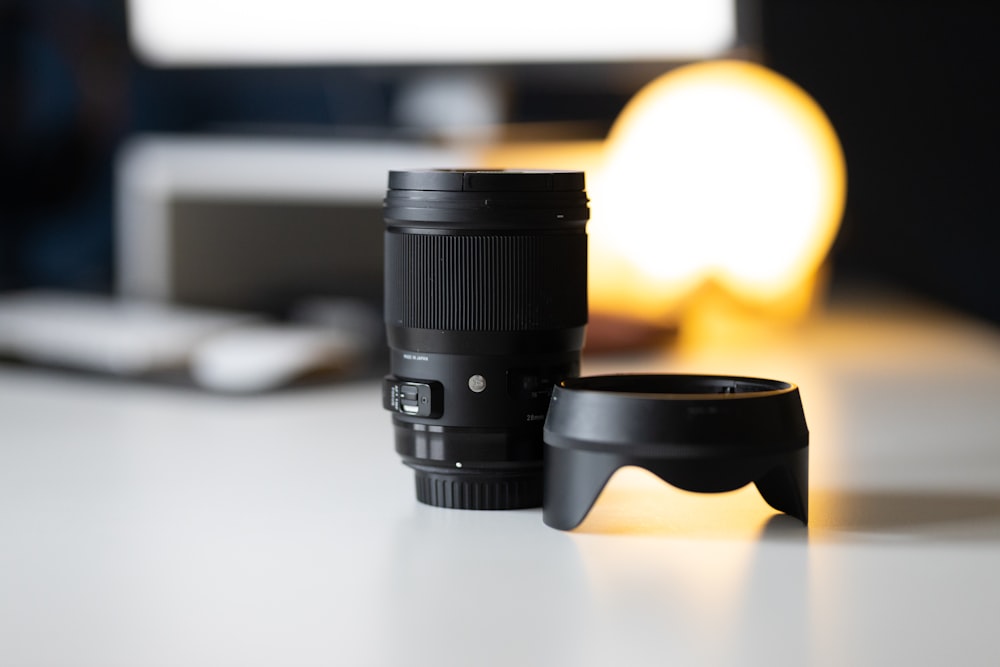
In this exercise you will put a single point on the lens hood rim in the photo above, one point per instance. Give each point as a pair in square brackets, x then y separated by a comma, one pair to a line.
[675, 414]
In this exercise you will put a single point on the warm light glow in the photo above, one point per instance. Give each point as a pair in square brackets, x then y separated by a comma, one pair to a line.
[637, 502]
[720, 173]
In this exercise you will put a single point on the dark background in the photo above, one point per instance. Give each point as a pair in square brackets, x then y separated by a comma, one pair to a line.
[912, 88]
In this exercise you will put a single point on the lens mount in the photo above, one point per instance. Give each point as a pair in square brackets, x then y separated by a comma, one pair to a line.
[479, 489]
[473, 468]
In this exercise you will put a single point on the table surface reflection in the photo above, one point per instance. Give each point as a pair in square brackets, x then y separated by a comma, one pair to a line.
[152, 525]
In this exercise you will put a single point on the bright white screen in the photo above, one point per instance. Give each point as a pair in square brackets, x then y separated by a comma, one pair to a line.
[220, 32]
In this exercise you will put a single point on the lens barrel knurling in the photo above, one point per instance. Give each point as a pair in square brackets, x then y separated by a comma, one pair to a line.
[478, 490]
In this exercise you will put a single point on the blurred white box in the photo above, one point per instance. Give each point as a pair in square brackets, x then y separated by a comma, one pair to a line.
[257, 223]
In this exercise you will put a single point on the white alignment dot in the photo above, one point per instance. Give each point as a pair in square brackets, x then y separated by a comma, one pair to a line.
[458, 464]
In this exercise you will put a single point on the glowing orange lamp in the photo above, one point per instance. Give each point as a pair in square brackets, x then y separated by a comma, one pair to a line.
[721, 173]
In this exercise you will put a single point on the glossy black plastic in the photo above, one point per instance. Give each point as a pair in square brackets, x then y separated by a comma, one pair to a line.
[701, 433]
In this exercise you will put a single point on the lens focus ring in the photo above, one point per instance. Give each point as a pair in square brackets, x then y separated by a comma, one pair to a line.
[486, 282]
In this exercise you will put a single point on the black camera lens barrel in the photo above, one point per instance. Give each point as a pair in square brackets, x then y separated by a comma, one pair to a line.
[485, 309]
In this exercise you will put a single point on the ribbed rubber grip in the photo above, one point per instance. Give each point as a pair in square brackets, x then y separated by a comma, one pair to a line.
[475, 492]
[486, 282]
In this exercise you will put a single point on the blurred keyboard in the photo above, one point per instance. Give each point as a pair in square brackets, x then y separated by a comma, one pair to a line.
[132, 338]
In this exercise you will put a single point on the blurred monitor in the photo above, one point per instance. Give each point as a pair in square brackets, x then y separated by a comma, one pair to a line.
[271, 32]
[266, 207]
[442, 62]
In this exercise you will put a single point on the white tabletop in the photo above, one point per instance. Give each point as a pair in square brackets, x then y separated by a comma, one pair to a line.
[144, 525]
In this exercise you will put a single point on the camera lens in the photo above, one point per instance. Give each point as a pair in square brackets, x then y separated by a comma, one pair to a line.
[485, 309]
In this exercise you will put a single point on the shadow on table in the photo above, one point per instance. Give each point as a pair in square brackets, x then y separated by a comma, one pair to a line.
[638, 504]
[906, 514]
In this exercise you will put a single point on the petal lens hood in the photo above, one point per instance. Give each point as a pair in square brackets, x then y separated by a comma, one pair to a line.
[701, 433]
